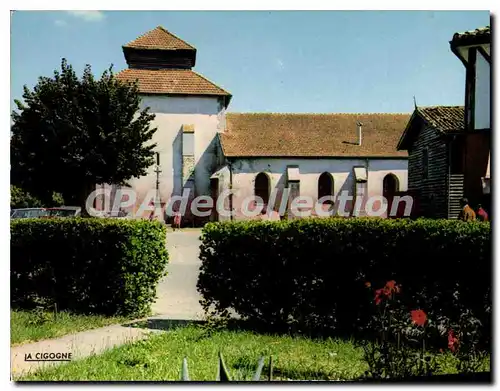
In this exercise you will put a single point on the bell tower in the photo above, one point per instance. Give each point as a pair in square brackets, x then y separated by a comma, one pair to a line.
[159, 49]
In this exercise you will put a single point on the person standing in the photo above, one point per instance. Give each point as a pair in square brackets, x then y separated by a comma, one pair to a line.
[481, 213]
[467, 213]
[177, 220]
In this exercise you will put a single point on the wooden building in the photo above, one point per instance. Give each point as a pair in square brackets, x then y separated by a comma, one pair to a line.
[473, 50]
[449, 146]
[434, 138]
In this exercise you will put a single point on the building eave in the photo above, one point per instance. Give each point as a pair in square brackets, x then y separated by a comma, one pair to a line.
[391, 157]
[402, 141]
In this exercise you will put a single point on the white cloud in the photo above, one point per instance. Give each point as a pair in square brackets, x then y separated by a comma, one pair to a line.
[60, 23]
[88, 16]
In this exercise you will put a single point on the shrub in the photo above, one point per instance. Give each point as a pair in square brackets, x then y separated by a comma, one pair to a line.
[91, 265]
[310, 274]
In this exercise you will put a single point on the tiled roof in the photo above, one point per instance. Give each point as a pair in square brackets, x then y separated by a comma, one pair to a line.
[171, 81]
[444, 118]
[159, 39]
[479, 35]
[312, 135]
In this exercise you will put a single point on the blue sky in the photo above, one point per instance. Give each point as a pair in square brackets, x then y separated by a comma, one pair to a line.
[293, 61]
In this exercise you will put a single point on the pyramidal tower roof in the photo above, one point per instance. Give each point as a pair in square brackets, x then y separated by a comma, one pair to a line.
[161, 63]
[159, 39]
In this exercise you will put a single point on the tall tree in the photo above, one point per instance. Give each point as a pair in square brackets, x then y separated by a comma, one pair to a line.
[70, 134]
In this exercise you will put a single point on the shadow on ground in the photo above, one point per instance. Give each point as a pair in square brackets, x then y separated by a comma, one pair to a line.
[163, 324]
[233, 325]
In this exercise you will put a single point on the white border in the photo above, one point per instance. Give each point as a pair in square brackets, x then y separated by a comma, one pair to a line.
[184, 5]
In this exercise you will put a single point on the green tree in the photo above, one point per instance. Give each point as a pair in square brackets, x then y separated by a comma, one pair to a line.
[70, 134]
[22, 199]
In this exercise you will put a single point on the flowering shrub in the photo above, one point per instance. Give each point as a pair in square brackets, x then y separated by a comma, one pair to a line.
[399, 347]
[464, 339]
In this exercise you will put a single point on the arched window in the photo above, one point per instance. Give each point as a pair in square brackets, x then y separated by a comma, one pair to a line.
[325, 185]
[262, 187]
[391, 187]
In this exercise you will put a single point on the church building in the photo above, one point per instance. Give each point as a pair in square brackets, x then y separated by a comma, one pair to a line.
[208, 150]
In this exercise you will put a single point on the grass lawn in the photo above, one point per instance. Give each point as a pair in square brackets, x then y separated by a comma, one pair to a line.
[159, 358]
[30, 326]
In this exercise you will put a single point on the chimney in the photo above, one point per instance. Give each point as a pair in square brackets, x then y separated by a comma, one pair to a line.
[360, 132]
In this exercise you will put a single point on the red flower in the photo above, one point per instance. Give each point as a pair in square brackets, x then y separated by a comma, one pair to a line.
[452, 341]
[391, 287]
[378, 296]
[418, 317]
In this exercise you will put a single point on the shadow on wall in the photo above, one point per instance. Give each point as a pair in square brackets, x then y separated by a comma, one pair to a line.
[205, 164]
[177, 164]
[347, 186]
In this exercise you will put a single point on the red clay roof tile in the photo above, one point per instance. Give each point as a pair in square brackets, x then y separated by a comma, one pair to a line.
[159, 39]
[312, 135]
[171, 81]
[444, 118]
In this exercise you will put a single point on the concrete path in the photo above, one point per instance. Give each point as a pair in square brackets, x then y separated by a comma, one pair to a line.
[178, 301]
[80, 345]
[177, 294]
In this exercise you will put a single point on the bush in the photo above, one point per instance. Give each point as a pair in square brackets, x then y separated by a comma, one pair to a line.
[310, 274]
[103, 266]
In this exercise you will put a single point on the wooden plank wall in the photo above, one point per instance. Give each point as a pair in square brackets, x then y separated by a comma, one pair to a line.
[431, 191]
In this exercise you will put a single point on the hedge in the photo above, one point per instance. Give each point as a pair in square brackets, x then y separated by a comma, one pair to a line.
[311, 273]
[92, 265]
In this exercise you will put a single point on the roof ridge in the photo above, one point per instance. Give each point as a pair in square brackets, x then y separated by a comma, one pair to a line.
[440, 106]
[210, 81]
[311, 113]
[484, 28]
[175, 36]
[165, 31]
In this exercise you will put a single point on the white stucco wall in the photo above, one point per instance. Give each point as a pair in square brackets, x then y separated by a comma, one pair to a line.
[482, 95]
[171, 113]
[246, 170]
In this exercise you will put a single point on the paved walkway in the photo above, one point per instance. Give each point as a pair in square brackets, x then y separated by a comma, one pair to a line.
[80, 345]
[178, 300]
[177, 294]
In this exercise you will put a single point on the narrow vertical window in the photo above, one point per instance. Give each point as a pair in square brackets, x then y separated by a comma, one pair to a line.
[262, 187]
[325, 185]
[425, 163]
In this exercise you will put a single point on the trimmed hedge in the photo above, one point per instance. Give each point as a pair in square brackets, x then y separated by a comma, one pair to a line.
[311, 273]
[92, 265]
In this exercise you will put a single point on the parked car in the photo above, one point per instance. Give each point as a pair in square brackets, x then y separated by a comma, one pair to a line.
[63, 211]
[26, 213]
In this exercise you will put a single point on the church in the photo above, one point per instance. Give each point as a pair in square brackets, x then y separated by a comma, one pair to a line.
[204, 148]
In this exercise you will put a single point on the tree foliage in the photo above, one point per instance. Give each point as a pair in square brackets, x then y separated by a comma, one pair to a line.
[72, 133]
[22, 199]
